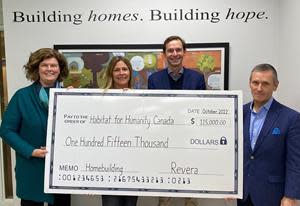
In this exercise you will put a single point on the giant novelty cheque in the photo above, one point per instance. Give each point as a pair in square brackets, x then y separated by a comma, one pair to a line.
[145, 143]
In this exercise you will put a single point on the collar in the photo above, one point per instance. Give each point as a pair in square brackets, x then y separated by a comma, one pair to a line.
[171, 72]
[266, 106]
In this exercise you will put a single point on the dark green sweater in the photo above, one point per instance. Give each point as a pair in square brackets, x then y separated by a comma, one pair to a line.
[24, 128]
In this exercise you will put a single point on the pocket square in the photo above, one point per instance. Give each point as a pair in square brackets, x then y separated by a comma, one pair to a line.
[276, 131]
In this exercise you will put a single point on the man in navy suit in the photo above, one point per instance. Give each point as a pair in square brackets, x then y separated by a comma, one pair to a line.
[271, 145]
[175, 76]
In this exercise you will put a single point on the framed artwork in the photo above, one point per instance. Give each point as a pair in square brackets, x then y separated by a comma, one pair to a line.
[87, 63]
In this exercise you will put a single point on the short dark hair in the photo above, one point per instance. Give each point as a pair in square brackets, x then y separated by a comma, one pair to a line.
[32, 66]
[263, 68]
[171, 38]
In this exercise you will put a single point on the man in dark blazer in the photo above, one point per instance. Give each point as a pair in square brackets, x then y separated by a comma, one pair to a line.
[271, 145]
[175, 76]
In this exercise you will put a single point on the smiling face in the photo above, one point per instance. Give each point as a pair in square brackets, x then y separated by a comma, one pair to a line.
[262, 85]
[48, 72]
[121, 76]
[174, 54]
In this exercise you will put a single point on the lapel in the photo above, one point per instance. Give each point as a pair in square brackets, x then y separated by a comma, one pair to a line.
[165, 80]
[246, 127]
[42, 113]
[271, 118]
[186, 79]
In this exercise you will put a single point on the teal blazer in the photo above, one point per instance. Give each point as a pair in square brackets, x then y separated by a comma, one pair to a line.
[24, 128]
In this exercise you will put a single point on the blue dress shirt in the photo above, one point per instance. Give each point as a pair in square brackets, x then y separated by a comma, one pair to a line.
[257, 120]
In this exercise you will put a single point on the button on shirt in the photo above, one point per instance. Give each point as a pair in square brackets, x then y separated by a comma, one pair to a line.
[257, 120]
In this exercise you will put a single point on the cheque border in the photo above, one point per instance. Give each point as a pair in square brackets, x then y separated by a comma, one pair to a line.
[236, 142]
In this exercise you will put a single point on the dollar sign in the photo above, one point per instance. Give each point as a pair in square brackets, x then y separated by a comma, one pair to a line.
[193, 121]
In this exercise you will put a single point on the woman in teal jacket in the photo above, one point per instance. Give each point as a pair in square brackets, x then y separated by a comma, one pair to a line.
[24, 126]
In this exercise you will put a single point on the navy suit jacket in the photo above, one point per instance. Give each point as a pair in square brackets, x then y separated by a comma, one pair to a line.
[272, 168]
[192, 80]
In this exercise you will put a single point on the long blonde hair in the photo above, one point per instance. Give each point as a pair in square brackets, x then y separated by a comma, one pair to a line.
[108, 76]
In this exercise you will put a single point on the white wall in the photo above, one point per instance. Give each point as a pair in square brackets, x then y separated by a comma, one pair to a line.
[289, 44]
[253, 42]
[274, 40]
[1, 17]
